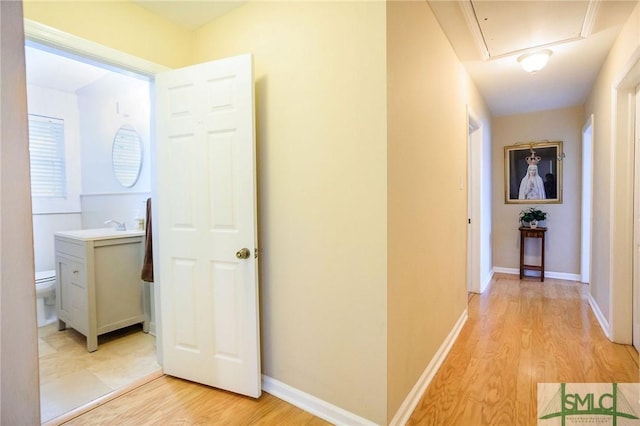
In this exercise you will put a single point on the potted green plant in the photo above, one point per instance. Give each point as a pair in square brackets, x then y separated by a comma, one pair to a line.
[531, 216]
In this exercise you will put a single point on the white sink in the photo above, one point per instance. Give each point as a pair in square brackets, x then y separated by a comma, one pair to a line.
[99, 234]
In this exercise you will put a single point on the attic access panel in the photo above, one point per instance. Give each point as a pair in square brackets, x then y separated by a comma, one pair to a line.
[511, 26]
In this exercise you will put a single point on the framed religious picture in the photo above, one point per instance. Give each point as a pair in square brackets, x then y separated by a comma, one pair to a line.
[533, 173]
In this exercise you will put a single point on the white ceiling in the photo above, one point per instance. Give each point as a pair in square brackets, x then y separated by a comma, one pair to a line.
[57, 72]
[488, 37]
[190, 14]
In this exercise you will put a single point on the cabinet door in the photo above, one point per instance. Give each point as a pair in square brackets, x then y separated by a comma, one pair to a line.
[63, 299]
[72, 294]
[118, 291]
[79, 299]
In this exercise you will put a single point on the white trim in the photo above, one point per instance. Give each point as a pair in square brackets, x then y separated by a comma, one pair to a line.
[589, 18]
[635, 274]
[547, 274]
[586, 204]
[43, 34]
[501, 270]
[116, 194]
[413, 398]
[56, 214]
[628, 77]
[561, 276]
[602, 320]
[472, 23]
[316, 406]
[621, 223]
[485, 284]
[76, 412]
[474, 202]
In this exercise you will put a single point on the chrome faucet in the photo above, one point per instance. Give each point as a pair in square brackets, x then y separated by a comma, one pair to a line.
[119, 225]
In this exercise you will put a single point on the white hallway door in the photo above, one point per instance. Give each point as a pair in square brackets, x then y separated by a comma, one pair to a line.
[206, 215]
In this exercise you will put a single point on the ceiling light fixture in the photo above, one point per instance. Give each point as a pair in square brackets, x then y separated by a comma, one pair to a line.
[534, 61]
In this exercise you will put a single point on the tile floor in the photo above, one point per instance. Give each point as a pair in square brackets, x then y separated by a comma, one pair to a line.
[71, 377]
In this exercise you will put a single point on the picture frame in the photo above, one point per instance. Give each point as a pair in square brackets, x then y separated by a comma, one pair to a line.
[541, 184]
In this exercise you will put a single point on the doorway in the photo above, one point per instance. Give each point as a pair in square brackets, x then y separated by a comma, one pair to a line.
[89, 103]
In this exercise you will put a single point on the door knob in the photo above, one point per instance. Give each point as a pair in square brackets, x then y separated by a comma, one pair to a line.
[243, 253]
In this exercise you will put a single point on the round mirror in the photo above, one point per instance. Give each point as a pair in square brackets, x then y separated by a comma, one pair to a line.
[126, 155]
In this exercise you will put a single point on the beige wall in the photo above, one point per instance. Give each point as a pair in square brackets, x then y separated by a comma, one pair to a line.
[427, 151]
[120, 25]
[321, 132]
[19, 403]
[563, 237]
[612, 223]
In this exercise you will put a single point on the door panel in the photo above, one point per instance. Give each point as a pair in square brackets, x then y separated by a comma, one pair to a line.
[207, 212]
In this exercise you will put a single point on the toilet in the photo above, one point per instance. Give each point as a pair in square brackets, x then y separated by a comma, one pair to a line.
[46, 297]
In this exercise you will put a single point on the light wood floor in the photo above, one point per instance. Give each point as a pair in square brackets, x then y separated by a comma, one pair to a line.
[518, 334]
[171, 401]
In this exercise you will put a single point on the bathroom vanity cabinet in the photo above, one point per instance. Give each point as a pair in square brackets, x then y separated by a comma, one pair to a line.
[99, 288]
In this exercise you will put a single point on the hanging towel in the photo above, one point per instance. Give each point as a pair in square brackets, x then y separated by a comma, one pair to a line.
[147, 265]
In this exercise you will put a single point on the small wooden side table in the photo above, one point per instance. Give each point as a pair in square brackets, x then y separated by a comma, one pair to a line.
[531, 233]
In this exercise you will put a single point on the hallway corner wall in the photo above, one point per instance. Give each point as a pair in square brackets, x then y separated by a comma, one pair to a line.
[428, 94]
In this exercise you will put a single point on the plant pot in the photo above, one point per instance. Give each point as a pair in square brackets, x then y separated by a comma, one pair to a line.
[533, 224]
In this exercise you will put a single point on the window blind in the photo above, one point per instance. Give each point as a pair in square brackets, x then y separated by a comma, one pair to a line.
[46, 148]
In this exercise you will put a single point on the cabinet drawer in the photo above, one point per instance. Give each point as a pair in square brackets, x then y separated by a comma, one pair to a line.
[78, 275]
[71, 249]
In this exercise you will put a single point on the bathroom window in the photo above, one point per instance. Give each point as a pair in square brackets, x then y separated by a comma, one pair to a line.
[46, 149]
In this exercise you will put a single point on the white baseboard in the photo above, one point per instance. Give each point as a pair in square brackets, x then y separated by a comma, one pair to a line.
[316, 406]
[547, 274]
[485, 284]
[152, 328]
[339, 416]
[413, 398]
[501, 270]
[604, 324]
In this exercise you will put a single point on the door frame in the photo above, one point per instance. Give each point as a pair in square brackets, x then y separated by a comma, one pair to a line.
[474, 189]
[48, 36]
[90, 51]
[636, 225]
[621, 201]
[587, 200]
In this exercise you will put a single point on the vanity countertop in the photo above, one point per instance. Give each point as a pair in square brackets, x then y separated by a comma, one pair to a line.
[99, 234]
